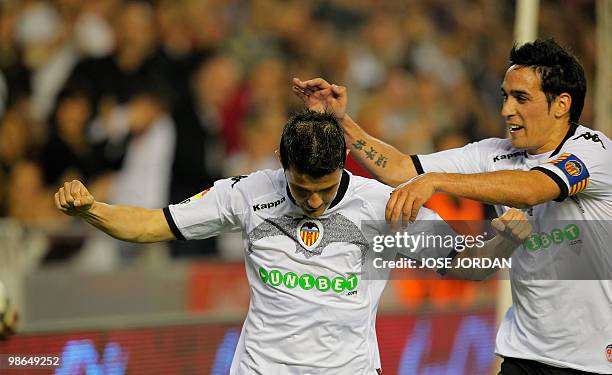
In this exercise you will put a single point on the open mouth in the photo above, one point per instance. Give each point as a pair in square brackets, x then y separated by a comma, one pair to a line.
[515, 128]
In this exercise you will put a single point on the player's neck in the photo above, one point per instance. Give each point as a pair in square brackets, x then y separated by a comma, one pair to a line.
[557, 136]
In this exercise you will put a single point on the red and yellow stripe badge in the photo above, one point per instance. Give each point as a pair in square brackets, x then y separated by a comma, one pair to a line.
[309, 237]
[578, 187]
[575, 170]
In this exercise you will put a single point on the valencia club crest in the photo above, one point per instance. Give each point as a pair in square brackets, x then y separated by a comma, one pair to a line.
[309, 233]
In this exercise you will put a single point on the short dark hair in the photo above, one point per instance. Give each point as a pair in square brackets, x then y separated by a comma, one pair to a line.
[558, 68]
[313, 143]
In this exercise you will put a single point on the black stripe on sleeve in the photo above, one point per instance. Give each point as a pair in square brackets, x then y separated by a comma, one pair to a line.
[417, 164]
[558, 180]
[177, 233]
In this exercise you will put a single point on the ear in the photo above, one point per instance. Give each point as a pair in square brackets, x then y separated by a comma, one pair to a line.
[562, 105]
[348, 151]
[277, 154]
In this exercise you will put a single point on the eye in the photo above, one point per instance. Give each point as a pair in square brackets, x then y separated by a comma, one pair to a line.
[521, 99]
[329, 189]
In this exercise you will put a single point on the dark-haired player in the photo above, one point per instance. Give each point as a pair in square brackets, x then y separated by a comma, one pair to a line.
[312, 311]
[556, 169]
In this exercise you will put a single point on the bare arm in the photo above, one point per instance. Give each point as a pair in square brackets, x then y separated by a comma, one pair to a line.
[512, 227]
[380, 159]
[127, 223]
[520, 189]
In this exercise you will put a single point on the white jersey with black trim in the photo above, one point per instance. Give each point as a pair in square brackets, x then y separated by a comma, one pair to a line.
[561, 277]
[311, 311]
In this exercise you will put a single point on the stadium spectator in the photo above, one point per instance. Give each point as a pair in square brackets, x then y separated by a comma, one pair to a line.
[68, 150]
[113, 79]
[48, 55]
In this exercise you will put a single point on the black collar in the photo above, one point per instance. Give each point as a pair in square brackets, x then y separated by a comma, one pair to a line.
[570, 132]
[344, 182]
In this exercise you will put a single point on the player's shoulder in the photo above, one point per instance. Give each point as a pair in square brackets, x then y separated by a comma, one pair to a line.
[493, 145]
[498, 150]
[262, 182]
[368, 187]
[587, 140]
[588, 147]
[370, 195]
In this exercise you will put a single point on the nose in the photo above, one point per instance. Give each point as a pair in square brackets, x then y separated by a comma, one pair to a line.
[315, 201]
[507, 109]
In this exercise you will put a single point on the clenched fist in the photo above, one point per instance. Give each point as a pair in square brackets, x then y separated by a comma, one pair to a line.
[513, 225]
[73, 198]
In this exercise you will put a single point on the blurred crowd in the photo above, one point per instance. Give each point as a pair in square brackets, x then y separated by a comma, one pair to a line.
[148, 102]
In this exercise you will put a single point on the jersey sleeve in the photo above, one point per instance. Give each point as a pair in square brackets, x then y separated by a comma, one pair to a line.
[582, 166]
[208, 213]
[471, 158]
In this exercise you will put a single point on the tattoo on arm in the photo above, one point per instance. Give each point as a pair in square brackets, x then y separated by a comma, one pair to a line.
[359, 144]
[380, 161]
[370, 154]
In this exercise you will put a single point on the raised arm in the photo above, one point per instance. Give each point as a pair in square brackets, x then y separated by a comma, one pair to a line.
[380, 159]
[127, 223]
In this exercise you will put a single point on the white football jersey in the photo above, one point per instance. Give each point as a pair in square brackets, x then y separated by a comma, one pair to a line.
[311, 311]
[561, 277]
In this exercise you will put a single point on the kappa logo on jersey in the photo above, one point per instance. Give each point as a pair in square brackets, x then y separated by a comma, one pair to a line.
[575, 170]
[197, 196]
[510, 156]
[591, 137]
[237, 179]
[263, 206]
[309, 232]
